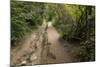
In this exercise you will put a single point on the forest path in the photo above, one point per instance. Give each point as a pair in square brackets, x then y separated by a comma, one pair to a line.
[61, 49]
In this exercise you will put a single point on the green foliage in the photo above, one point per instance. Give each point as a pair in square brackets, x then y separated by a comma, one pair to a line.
[78, 23]
[25, 17]
[89, 50]
[71, 21]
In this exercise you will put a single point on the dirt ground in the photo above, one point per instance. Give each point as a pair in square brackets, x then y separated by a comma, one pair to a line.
[59, 51]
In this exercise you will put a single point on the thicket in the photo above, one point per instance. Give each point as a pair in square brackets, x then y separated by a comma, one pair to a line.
[77, 22]
[25, 17]
[71, 21]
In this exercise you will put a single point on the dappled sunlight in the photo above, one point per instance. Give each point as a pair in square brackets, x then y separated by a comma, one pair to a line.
[49, 24]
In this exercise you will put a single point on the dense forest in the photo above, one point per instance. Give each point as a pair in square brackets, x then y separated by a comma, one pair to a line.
[73, 22]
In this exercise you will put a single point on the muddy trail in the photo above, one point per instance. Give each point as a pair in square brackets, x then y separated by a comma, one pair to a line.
[57, 50]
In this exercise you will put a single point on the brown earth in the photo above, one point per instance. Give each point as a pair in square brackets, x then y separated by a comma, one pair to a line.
[57, 51]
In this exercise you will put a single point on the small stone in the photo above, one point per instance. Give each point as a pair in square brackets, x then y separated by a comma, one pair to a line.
[33, 57]
[23, 62]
